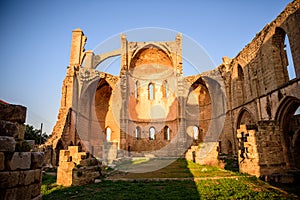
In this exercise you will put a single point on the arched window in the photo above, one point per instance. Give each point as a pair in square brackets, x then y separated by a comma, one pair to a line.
[196, 132]
[151, 91]
[167, 133]
[290, 67]
[165, 89]
[136, 89]
[152, 133]
[283, 65]
[108, 134]
[137, 133]
[239, 92]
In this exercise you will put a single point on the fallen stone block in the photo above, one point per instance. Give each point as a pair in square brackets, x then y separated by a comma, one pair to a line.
[7, 144]
[20, 160]
[13, 113]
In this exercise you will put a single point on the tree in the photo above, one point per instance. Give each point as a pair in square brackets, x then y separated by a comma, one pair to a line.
[34, 134]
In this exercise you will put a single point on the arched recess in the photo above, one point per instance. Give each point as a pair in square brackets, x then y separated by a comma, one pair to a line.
[288, 117]
[59, 146]
[198, 109]
[245, 118]
[151, 63]
[282, 57]
[238, 87]
[102, 97]
[247, 142]
[149, 54]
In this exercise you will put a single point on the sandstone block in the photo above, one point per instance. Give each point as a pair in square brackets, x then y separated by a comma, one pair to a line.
[8, 129]
[11, 194]
[26, 177]
[37, 175]
[9, 179]
[2, 161]
[13, 113]
[20, 160]
[37, 159]
[24, 192]
[35, 189]
[7, 144]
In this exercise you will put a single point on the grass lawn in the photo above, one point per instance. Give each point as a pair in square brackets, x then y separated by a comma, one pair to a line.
[212, 184]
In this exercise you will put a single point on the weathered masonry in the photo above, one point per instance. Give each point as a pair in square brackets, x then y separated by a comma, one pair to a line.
[152, 105]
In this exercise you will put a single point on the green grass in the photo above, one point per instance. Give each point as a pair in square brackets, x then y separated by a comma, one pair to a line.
[239, 187]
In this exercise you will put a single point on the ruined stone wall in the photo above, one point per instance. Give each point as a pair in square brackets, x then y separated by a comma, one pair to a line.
[257, 82]
[258, 101]
[20, 169]
[75, 168]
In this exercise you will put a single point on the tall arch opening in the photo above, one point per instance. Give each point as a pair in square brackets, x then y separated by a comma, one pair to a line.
[198, 111]
[238, 88]
[102, 98]
[282, 56]
[248, 156]
[289, 119]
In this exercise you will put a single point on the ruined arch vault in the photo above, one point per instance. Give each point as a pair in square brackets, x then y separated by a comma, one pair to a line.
[151, 93]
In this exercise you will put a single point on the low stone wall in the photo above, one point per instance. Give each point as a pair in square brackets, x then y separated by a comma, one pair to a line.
[204, 154]
[20, 172]
[76, 169]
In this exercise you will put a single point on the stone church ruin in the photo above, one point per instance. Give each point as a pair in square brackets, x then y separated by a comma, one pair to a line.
[152, 108]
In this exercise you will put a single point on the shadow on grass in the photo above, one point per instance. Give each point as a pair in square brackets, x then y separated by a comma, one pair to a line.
[291, 188]
[212, 183]
[138, 186]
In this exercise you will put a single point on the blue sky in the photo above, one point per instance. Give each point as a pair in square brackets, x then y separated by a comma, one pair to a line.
[36, 38]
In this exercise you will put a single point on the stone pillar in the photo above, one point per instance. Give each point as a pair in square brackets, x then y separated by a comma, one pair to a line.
[77, 47]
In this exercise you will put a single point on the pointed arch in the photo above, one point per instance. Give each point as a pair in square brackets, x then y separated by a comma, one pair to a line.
[245, 117]
[288, 119]
[283, 56]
